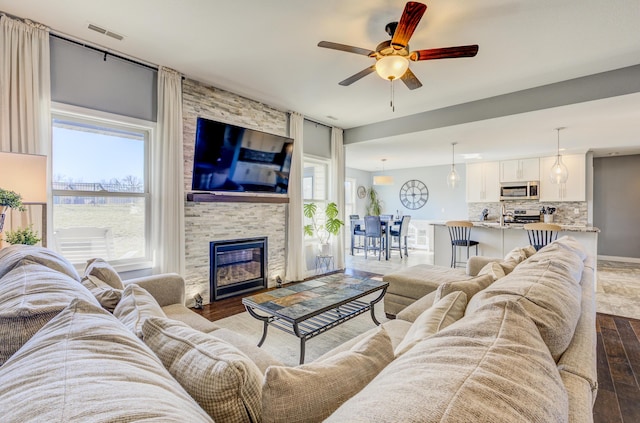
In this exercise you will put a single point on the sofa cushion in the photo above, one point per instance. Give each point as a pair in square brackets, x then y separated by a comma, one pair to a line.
[135, 306]
[248, 347]
[11, 256]
[103, 271]
[488, 367]
[419, 280]
[225, 382]
[413, 311]
[470, 287]
[546, 287]
[85, 366]
[442, 314]
[493, 269]
[31, 295]
[107, 296]
[311, 392]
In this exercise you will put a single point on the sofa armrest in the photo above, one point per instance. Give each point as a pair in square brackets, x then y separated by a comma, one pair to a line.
[166, 288]
[476, 263]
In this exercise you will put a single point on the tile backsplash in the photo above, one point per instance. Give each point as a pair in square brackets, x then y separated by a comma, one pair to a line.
[564, 215]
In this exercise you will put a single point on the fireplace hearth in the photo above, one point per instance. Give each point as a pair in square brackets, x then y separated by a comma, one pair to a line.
[237, 266]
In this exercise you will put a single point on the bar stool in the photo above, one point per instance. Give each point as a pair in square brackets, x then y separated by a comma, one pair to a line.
[541, 234]
[460, 233]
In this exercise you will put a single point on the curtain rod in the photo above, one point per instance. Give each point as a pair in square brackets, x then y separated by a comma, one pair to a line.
[105, 52]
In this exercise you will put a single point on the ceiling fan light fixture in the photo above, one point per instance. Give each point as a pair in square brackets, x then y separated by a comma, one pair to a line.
[392, 67]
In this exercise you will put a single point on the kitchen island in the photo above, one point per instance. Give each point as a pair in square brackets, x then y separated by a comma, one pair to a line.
[497, 240]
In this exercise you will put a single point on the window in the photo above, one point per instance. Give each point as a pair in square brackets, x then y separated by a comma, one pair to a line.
[315, 185]
[101, 200]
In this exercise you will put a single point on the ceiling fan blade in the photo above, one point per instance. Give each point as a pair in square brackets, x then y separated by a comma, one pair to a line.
[344, 47]
[411, 16]
[411, 80]
[350, 80]
[444, 53]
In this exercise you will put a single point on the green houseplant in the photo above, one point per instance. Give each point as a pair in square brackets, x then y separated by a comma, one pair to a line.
[26, 236]
[323, 231]
[374, 208]
[9, 200]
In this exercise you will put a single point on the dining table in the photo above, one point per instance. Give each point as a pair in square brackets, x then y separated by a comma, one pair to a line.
[386, 225]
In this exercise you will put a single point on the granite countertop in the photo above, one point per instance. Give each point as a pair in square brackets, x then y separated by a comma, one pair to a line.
[496, 225]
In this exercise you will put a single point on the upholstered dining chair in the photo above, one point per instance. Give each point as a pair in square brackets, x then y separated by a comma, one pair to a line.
[460, 233]
[357, 233]
[541, 234]
[401, 233]
[374, 237]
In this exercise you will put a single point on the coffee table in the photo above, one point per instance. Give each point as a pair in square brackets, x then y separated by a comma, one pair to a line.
[310, 308]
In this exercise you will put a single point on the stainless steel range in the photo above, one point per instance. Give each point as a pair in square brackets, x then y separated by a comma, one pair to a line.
[522, 216]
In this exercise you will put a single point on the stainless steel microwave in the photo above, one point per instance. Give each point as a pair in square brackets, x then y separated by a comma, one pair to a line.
[519, 190]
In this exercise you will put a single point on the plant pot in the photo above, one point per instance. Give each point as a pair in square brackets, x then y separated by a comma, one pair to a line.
[548, 218]
[324, 249]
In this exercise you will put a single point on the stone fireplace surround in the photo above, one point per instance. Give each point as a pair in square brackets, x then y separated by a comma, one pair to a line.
[207, 221]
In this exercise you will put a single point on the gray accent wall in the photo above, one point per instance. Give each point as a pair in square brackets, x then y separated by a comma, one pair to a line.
[616, 205]
[80, 76]
[317, 139]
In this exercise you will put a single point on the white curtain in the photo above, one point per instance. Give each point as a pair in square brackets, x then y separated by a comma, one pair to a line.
[167, 177]
[25, 100]
[296, 266]
[337, 164]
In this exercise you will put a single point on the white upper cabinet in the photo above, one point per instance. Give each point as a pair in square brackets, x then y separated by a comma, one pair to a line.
[575, 187]
[520, 170]
[483, 182]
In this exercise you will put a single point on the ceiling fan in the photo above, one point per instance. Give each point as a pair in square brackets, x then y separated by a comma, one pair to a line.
[393, 56]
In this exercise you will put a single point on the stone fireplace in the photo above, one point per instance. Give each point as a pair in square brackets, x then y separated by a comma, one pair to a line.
[237, 266]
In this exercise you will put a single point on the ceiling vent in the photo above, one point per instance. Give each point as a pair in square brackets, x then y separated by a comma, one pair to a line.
[105, 32]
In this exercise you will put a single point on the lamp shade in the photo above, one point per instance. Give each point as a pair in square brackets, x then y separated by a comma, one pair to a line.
[383, 180]
[392, 67]
[24, 174]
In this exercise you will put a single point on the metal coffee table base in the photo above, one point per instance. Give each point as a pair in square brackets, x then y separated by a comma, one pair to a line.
[312, 326]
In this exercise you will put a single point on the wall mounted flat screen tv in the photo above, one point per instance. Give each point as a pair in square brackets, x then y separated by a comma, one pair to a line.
[236, 159]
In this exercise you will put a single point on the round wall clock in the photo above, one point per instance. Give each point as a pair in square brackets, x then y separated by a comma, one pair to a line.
[414, 194]
[362, 191]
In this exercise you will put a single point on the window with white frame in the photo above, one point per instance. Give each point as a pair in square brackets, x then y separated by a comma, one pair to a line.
[101, 201]
[315, 184]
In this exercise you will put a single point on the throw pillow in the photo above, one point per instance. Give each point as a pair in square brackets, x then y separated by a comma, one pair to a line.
[225, 383]
[103, 271]
[107, 296]
[84, 366]
[135, 307]
[493, 269]
[11, 256]
[470, 287]
[442, 314]
[311, 392]
[31, 295]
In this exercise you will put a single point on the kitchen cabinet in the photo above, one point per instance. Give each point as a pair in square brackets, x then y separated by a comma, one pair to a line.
[483, 182]
[575, 187]
[522, 170]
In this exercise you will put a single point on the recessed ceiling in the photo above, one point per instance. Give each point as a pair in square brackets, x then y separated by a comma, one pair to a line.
[267, 51]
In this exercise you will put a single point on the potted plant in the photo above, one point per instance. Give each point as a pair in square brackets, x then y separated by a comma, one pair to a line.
[323, 231]
[374, 208]
[9, 200]
[25, 236]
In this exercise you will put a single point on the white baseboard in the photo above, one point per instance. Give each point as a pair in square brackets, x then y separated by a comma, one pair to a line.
[622, 259]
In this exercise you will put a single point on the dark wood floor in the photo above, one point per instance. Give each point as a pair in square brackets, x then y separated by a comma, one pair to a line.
[618, 355]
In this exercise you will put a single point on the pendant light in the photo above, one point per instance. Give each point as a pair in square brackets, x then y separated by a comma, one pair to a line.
[453, 179]
[383, 179]
[559, 172]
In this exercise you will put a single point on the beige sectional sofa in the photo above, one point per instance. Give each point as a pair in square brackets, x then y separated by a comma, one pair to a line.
[91, 348]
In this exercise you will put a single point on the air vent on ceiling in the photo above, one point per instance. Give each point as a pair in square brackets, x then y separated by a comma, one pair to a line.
[105, 32]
